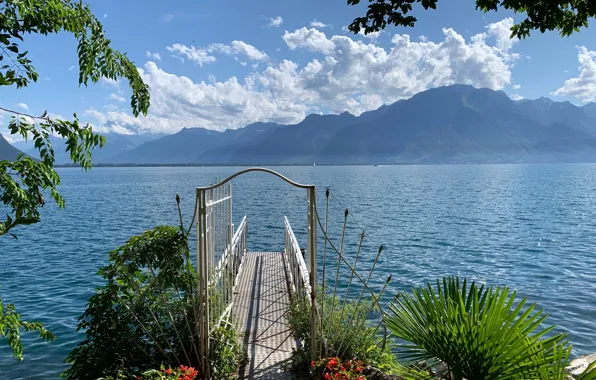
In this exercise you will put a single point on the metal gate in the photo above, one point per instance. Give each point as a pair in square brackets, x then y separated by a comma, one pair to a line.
[220, 252]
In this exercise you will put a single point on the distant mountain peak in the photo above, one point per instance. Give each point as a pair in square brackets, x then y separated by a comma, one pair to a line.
[544, 99]
[451, 124]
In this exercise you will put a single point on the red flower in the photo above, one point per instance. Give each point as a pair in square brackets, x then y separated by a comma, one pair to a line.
[168, 371]
[332, 363]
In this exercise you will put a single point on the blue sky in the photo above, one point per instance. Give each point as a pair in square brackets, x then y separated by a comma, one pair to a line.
[224, 64]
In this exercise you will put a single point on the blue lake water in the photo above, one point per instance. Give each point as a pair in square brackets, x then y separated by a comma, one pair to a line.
[531, 227]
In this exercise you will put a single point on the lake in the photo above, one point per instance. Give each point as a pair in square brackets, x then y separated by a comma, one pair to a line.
[531, 227]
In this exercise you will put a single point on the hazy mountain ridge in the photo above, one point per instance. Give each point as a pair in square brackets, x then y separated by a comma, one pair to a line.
[451, 124]
[7, 151]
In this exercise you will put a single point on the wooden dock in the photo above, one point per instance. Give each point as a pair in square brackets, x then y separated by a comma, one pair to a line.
[261, 301]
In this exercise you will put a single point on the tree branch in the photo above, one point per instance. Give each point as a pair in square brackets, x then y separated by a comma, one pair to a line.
[46, 118]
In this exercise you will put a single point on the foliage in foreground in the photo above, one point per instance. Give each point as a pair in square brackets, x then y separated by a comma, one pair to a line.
[11, 324]
[181, 372]
[22, 182]
[480, 333]
[348, 335]
[564, 16]
[146, 314]
[336, 369]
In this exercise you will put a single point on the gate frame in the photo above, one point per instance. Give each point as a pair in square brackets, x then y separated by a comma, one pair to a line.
[204, 266]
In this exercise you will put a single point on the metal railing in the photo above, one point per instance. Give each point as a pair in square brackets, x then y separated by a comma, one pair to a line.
[220, 252]
[297, 269]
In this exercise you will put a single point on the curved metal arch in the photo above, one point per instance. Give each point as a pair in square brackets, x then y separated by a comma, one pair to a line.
[264, 170]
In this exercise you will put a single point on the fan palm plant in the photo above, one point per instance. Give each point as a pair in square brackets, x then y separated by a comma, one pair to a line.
[480, 333]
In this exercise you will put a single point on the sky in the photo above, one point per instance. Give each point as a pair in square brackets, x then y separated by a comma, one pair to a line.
[228, 63]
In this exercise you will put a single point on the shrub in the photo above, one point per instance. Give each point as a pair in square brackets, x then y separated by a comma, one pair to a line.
[480, 333]
[347, 335]
[181, 372]
[146, 314]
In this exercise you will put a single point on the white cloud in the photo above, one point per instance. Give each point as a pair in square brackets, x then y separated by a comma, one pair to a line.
[8, 137]
[274, 22]
[501, 31]
[155, 56]
[516, 97]
[117, 97]
[516, 87]
[71, 68]
[105, 15]
[312, 39]
[318, 24]
[108, 82]
[371, 36]
[347, 73]
[582, 87]
[22, 106]
[197, 55]
[239, 48]
[243, 63]
[47, 78]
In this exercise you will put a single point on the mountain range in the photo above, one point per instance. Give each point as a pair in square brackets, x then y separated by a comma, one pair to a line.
[450, 124]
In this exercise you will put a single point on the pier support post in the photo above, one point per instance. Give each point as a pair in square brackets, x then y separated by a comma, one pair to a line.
[312, 265]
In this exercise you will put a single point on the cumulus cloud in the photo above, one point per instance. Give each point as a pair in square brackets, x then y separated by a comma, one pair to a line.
[345, 73]
[317, 24]
[22, 106]
[371, 36]
[274, 22]
[501, 31]
[197, 55]
[108, 82]
[516, 97]
[582, 87]
[117, 97]
[311, 39]
[155, 56]
[516, 87]
[239, 48]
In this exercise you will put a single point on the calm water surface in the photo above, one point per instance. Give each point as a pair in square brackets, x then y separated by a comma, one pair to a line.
[531, 227]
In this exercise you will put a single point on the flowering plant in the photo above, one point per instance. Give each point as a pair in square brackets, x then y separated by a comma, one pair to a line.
[335, 369]
[179, 373]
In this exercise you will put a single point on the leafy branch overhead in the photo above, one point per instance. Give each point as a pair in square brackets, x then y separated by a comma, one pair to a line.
[565, 16]
[24, 181]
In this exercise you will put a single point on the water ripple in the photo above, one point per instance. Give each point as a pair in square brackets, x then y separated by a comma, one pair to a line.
[530, 227]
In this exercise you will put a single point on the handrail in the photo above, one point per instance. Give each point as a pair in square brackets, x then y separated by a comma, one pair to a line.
[236, 240]
[297, 269]
[264, 170]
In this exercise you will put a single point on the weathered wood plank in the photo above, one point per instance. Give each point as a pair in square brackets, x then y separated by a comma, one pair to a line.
[261, 301]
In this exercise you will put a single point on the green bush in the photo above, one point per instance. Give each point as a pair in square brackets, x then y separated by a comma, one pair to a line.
[225, 353]
[480, 333]
[145, 316]
[348, 335]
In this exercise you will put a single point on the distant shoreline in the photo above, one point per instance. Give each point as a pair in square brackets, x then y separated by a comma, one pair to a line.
[309, 165]
[218, 165]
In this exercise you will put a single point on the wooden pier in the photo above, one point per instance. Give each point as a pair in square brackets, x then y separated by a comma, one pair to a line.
[261, 302]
